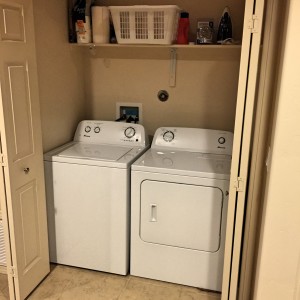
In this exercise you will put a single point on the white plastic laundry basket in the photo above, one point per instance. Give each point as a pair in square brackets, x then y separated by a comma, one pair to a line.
[145, 24]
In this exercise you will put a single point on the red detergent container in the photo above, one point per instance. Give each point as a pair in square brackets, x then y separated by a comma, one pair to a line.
[183, 28]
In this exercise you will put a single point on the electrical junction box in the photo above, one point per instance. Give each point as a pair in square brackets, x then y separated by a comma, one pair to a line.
[131, 111]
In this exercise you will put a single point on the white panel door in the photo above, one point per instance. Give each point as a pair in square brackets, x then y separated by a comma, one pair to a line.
[253, 21]
[22, 184]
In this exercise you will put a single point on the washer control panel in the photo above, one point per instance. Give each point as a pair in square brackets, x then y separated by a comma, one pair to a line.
[193, 139]
[110, 132]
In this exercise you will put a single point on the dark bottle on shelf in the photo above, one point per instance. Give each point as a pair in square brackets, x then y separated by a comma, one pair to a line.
[71, 22]
[225, 27]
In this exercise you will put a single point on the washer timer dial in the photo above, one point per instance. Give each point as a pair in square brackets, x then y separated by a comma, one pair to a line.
[129, 132]
[168, 136]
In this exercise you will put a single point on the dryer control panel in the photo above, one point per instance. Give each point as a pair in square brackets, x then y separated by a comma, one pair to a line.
[193, 139]
[110, 132]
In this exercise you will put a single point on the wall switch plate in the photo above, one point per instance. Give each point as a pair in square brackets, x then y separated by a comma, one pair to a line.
[126, 110]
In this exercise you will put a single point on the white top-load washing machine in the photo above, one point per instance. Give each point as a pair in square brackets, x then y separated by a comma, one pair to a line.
[179, 194]
[88, 195]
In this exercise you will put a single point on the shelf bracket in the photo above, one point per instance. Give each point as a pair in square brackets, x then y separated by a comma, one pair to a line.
[173, 64]
[92, 48]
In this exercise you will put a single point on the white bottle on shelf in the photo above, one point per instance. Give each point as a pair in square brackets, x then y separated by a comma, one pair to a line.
[100, 24]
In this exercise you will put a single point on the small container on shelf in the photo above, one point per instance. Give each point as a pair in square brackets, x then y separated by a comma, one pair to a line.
[205, 31]
[82, 19]
[83, 30]
[183, 28]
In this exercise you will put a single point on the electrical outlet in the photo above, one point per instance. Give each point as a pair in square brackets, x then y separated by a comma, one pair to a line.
[129, 110]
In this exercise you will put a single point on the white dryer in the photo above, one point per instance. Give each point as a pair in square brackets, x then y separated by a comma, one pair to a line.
[88, 195]
[179, 194]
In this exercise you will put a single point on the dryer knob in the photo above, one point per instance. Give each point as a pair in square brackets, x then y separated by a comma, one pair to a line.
[168, 136]
[221, 140]
[97, 129]
[87, 129]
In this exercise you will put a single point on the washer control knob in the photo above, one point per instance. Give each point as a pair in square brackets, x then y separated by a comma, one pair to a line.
[97, 129]
[221, 140]
[129, 132]
[168, 136]
[87, 129]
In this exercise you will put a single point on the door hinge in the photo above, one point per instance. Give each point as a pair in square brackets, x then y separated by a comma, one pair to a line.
[239, 184]
[253, 24]
[12, 271]
[3, 160]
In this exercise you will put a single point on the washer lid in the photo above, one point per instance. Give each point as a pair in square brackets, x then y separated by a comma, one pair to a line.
[95, 152]
[185, 163]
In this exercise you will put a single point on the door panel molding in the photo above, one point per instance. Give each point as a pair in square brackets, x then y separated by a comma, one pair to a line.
[11, 22]
[20, 105]
[29, 220]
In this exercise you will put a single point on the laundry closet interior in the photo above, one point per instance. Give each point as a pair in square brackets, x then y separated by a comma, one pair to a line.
[85, 82]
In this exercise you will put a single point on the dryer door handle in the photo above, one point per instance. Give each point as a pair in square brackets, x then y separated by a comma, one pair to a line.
[153, 213]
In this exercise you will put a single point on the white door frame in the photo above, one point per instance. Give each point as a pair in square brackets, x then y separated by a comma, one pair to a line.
[253, 20]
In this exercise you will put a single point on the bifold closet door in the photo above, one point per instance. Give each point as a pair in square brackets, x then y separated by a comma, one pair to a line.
[253, 21]
[22, 176]
[272, 36]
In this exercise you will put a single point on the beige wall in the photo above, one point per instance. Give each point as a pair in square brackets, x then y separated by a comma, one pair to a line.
[204, 96]
[60, 71]
[206, 83]
[278, 270]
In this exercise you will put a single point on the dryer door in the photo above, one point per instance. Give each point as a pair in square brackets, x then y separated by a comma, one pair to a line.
[181, 215]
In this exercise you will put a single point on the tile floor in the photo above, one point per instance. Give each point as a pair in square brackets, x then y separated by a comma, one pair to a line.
[3, 287]
[68, 283]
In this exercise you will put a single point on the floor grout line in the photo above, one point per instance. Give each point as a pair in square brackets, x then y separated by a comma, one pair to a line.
[125, 287]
